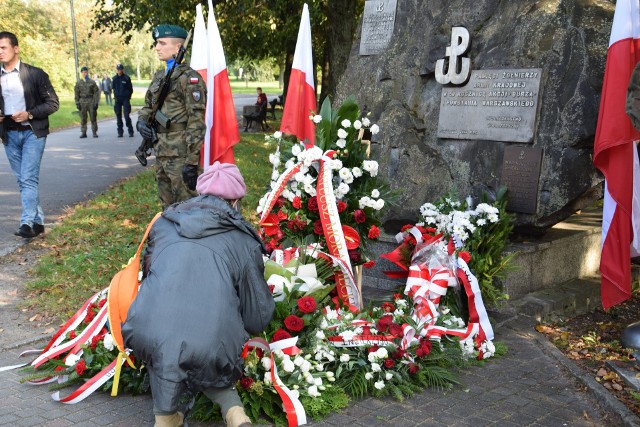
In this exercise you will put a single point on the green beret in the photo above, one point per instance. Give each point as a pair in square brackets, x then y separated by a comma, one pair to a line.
[172, 31]
[84, 69]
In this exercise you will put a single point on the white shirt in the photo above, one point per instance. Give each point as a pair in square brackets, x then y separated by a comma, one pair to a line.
[12, 90]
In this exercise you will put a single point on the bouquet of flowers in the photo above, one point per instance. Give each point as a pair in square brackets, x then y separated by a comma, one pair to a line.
[294, 217]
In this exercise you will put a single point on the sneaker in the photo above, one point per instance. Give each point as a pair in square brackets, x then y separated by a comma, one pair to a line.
[38, 228]
[25, 231]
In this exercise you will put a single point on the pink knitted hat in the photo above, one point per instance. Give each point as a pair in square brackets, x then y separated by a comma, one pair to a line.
[223, 180]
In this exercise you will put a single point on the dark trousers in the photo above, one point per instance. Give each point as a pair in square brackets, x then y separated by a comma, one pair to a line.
[107, 98]
[123, 104]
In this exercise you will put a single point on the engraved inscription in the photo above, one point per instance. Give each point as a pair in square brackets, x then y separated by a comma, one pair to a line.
[520, 174]
[378, 21]
[495, 105]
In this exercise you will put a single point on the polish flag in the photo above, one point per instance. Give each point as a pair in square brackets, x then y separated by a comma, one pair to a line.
[300, 102]
[615, 154]
[207, 58]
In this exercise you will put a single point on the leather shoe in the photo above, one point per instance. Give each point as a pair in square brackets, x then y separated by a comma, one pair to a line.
[38, 228]
[25, 231]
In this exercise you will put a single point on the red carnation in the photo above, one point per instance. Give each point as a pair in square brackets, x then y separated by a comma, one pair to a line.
[399, 354]
[413, 368]
[387, 307]
[396, 330]
[294, 323]
[72, 334]
[373, 349]
[359, 216]
[369, 264]
[280, 202]
[307, 304]
[89, 317]
[317, 228]
[389, 363]
[383, 324]
[246, 382]
[296, 203]
[341, 206]
[466, 256]
[296, 224]
[312, 204]
[280, 334]
[102, 302]
[81, 366]
[95, 340]
[374, 232]
[406, 227]
[397, 296]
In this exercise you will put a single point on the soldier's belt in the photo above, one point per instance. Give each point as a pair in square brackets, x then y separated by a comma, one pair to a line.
[173, 127]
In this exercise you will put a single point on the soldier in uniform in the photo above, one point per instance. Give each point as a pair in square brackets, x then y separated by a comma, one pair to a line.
[87, 95]
[178, 148]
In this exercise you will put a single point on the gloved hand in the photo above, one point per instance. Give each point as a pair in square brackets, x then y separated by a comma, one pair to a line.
[144, 130]
[190, 175]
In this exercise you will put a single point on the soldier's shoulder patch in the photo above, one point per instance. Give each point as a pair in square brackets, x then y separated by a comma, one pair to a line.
[193, 80]
[196, 95]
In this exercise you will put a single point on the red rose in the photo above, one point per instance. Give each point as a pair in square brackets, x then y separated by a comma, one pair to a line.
[102, 302]
[317, 228]
[389, 363]
[383, 324]
[89, 317]
[296, 224]
[246, 382]
[373, 349]
[396, 330]
[280, 202]
[369, 264]
[374, 232]
[354, 256]
[296, 203]
[293, 323]
[341, 206]
[397, 355]
[307, 304]
[465, 256]
[397, 296]
[280, 334]
[95, 340]
[359, 216]
[81, 366]
[387, 307]
[72, 334]
[312, 204]
[413, 368]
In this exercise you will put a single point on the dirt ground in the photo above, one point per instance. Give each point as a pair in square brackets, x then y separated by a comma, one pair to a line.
[589, 340]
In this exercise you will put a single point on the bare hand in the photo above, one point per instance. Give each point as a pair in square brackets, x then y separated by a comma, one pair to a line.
[20, 116]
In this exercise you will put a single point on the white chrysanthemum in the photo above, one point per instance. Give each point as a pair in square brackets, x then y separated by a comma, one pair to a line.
[344, 357]
[368, 376]
[341, 143]
[308, 180]
[108, 342]
[289, 163]
[481, 222]
[492, 217]
[317, 118]
[313, 391]
[274, 185]
[375, 193]
[277, 134]
[345, 123]
[299, 176]
[374, 129]
[401, 303]
[342, 133]
[379, 385]
[357, 125]
[366, 122]
[331, 314]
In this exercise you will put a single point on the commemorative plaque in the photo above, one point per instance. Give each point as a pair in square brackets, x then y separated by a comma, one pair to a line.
[377, 26]
[520, 174]
[494, 105]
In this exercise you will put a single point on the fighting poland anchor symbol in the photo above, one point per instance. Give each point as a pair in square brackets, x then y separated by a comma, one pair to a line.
[457, 73]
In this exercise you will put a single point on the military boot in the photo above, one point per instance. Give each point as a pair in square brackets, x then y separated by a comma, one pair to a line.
[83, 135]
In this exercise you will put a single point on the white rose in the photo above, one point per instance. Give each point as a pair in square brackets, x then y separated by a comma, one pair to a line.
[343, 188]
[341, 143]
[342, 133]
[375, 367]
[345, 174]
[382, 353]
[379, 385]
[345, 123]
[344, 357]
[298, 361]
[368, 376]
[288, 365]
[357, 125]
[375, 129]
[375, 193]
[277, 134]
[313, 391]
[372, 357]
[267, 378]
[306, 366]
[357, 172]
[388, 376]
[317, 381]
[317, 118]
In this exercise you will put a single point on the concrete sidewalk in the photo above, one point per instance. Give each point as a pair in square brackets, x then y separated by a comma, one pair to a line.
[533, 385]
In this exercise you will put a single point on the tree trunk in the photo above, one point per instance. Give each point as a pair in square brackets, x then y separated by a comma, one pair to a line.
[340, 33]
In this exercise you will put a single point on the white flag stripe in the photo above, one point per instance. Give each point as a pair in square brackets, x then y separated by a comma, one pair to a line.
[623, 27]
[303, 58]
[199, 45]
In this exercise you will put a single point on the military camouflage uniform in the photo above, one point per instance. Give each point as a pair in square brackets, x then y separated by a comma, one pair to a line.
[87, 95]
[633, 97]
[181, 143]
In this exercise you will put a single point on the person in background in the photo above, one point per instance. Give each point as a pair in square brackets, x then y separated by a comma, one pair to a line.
[203, 266]
[122, 91]
[87, 96]
[106, 87]
[27, 99]
[261, 102]
[178, 148]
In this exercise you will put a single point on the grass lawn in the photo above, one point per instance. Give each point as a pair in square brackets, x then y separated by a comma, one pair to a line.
[97, 238]
[272, 89]
[68, 115]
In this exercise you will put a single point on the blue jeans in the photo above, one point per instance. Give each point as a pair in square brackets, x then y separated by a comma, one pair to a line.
[24, 152]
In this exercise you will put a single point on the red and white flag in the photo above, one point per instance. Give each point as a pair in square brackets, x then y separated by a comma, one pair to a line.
[615, 154]
[207, 58]
[300, 102]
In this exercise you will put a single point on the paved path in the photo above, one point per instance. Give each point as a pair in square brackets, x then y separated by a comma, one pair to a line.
[531, 386]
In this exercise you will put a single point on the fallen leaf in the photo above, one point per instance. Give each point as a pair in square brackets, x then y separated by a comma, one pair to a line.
[13, 292]
[32, 318]
[601, 372]
[49, 330]
[617, 386]
[585, 414]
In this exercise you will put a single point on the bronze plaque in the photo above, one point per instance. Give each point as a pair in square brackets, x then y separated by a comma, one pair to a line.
[494, 105]
[520, 174]
[378, 21]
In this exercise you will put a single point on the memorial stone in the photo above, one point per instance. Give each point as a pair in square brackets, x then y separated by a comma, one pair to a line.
[564, 43]
[377, 26]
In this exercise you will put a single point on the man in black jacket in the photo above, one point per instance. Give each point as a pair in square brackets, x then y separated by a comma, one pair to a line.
[27, 99]
[122, 91]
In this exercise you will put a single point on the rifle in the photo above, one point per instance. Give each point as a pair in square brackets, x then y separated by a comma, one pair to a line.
[157, 117]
